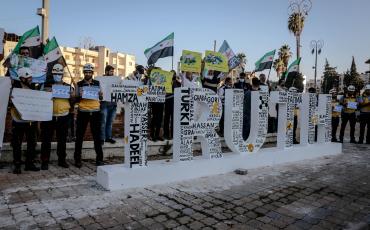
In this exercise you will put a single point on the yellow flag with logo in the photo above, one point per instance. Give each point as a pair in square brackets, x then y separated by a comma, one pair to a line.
[162, 78]
[191, 61]
[216, 61]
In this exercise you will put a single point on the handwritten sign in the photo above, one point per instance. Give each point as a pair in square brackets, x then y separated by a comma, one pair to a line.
[338, 108]
[216, 61]
[162, 78]
[61, 91]
[90, 92]
[191, 61]
[33, 105]
[106, 83]
[352, 105]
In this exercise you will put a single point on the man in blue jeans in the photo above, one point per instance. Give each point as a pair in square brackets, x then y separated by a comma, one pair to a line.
[108, 111]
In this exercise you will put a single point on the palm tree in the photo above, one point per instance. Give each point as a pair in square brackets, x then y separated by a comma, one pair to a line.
[295, 25]
[279, 66]
[285, 54]
[243, 60]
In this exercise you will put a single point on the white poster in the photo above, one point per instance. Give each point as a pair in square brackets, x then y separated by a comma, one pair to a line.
[1, 42]
[106, 83]
[4, 97]
[33, 105]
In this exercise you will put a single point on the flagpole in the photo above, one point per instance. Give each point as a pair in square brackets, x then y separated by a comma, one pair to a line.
[268, 77]
[172, 61]
[214, 46]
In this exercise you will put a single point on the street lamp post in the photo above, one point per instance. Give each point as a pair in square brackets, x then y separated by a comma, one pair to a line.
[316, 46]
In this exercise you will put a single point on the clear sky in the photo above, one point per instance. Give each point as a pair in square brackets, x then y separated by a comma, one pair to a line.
[250, 26]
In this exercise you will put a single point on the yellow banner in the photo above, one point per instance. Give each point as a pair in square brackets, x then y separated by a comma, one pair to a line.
[191, 61]
[162, 78]
[216, 61]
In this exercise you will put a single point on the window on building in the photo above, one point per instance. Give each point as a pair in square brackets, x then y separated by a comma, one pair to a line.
[130, 63]
[106, 63]
[107, 53]
[92, 60]
[67, 57]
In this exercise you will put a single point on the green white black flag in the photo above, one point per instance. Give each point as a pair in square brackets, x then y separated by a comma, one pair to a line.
[162, 49]
[265, 62]
[293, 67]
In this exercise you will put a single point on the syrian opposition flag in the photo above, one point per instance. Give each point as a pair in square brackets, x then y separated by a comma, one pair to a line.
[53, 55]
[162, 49]
[293, 67]
[32, 40]
[265, 62]
[225, 49]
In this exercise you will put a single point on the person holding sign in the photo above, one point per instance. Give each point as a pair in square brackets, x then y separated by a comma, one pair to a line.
[335, 115]
[22, 127]
[364, 103]
[108, 110]
[62, 96]
[349, 103]
[88, 96]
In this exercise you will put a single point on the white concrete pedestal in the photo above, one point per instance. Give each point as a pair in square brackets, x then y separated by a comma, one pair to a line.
[115, 177]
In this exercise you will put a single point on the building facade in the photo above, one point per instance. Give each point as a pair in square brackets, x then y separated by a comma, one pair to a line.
[76, 58]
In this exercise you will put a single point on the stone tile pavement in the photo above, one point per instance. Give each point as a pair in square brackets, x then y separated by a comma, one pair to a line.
[325, 193]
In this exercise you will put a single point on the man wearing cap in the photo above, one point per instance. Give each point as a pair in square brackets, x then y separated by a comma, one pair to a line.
[108, 111]
[88, 112]
[335, 114]
[364, 104]
[349, 103]
[22, 127]
[59, 123]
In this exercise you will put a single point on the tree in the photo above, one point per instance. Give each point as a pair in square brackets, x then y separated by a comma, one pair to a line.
[281, 63]
[285, 54]
[330, 79]
[279, 67]
[243, 60]
[295, 25]
[352, 77]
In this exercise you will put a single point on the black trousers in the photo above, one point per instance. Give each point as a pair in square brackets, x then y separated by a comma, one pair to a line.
[295, 124]
[60, 126]
[334, 127]
[351, 117]
[20, 129]
[168, 118]
[157, 116]
[364, 121]
[83, 119]
[222, 120]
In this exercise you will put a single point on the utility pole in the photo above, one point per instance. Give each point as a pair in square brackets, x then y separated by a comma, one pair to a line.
[44, 13]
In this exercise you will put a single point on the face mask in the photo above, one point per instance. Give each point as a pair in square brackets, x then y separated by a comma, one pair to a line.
[57, 78]
[241, 80]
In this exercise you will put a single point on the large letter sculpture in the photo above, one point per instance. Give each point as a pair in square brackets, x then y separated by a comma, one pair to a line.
[135, 99]
[308, 118]
[234, 103]
[197, 113]
[324, 119]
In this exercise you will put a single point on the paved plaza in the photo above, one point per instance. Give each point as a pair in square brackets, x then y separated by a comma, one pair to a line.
[324, 193]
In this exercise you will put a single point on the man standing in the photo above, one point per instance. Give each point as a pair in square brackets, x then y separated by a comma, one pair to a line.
[240, 83]
[88, 112]
[335, 115]
[349, 103]
[22, 127]
[108, 111]
[221, 93]
[364, 103]
[168, 109]
[59, 123]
